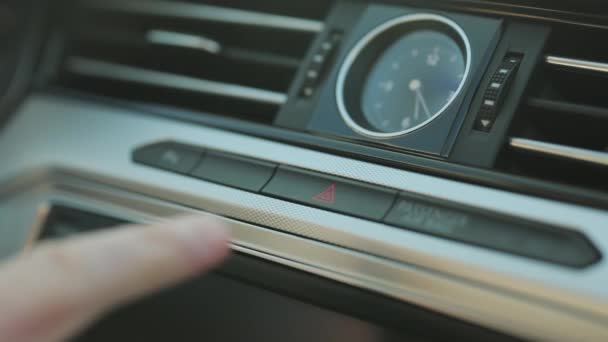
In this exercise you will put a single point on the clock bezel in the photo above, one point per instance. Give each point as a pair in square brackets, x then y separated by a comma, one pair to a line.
[371, 37]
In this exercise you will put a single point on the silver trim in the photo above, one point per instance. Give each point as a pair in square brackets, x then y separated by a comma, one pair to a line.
[365, 41]
[65, 144]
[580, 154]
[417, 285]
[178, 39]
[577, 64]
[100, 69]
[184, 10]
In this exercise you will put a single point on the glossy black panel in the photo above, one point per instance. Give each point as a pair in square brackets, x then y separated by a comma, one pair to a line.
[519, 237]
[238, 172]
[331, 193]
[169, 156]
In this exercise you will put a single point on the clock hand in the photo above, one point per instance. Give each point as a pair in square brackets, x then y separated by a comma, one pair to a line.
[417, 107]
[415, 87]
[423, 102]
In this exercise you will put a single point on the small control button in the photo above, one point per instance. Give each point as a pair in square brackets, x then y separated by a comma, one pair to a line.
[331, 193]
[319, 58]
[509, 235]
[312, 74]
[308, 91]
[169, 156]
[234, 171]
[327, 46]
[484, 123]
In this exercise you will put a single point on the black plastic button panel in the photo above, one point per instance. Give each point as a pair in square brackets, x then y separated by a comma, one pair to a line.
[169, 156]
[428, 216]
[225, 169]
[454, 222]
[331, 193]
[496, 92]
[242, 173]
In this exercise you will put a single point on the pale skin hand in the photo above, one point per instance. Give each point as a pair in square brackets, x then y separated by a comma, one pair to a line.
[60, 287]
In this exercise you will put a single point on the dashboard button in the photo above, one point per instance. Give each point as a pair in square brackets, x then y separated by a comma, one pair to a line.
[234, 171]
[331, 193]
[169, 156]
[484, 123]
[493, 231]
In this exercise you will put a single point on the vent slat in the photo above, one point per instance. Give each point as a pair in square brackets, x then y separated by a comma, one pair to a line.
[577, 64]
[561, 151]
[228, 58]
[178, 39]
[197, 42]
[100, 69]
[568, 108]
[560, 131]
[184, 10]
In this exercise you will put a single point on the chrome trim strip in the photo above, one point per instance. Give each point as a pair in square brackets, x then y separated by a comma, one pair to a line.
[365, 41]
[177, 39]
[577, 64]
[580, 154]
[184, 10]
[99, 69]
[401, 281]
[527, 298]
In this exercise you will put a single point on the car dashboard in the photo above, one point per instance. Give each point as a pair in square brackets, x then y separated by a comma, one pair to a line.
[430, 168]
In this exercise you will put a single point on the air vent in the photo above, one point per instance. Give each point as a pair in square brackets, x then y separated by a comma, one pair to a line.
[561, 132]
[233, 57]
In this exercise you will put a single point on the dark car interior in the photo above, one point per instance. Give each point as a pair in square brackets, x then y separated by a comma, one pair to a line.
[391, 170]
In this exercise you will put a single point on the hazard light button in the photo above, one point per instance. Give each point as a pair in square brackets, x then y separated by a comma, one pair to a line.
[331, 193]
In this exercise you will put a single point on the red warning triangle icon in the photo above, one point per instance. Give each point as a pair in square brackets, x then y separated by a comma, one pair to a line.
[327, 196]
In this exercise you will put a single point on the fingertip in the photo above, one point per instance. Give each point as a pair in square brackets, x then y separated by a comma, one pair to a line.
[205, 238]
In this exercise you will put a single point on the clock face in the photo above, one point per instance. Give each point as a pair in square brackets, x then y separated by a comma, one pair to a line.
[412, 81]
[403, 75]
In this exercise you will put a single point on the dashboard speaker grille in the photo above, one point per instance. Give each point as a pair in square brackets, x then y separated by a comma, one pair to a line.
[232, 58]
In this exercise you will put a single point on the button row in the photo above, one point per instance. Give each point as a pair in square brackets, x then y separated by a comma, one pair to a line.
[320, 61]
[292, 184]
[234, 171]
[495, 93]
[371, 202]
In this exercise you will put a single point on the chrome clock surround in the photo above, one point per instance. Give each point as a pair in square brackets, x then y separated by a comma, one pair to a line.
[368, 39]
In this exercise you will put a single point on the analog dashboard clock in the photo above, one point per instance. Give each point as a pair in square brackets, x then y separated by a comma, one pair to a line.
[403, 75]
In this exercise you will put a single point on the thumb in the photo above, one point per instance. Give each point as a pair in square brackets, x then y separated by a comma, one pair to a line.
[53, 292]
